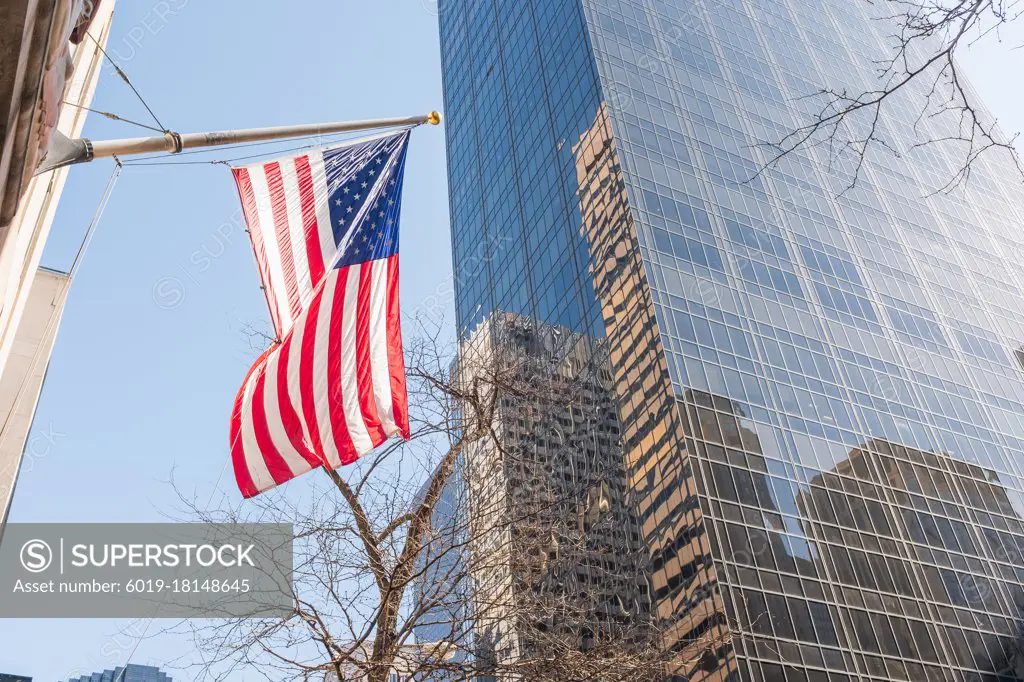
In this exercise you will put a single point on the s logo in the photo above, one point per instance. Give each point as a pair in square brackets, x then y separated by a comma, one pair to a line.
[36, 556]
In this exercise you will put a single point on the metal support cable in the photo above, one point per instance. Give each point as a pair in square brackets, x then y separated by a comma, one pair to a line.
[112, 116]
[330, 138]
[104, 198]
[4, 429]
[127, 80]
[322, 140]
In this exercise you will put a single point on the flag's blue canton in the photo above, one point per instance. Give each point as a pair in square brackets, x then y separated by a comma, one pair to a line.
[366, 180]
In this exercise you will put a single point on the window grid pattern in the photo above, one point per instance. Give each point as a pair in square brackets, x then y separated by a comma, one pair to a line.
[845, 359]
[520, 89]
[854, 404]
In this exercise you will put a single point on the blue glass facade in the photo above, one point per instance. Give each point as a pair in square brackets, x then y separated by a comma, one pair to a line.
[512, 122]
[820, 387]
[129, 673]
[442, 588]
[7, 677]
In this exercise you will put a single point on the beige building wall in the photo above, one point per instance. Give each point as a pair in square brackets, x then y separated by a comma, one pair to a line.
[19, 257]
[32, 298]
[22, 378]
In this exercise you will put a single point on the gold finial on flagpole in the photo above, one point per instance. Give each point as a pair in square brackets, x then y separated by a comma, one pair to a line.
[434, 118]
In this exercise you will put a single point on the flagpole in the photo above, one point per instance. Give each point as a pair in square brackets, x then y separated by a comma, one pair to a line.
[64, 151]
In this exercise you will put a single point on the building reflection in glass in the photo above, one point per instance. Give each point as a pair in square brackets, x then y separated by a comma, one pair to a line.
[554, 549]
[683, 578]
[821, 410]
[895, 561]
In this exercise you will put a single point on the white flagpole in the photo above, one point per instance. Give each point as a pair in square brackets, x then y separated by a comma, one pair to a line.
[64, 151]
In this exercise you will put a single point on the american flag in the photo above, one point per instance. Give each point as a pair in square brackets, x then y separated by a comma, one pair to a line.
[324, 227]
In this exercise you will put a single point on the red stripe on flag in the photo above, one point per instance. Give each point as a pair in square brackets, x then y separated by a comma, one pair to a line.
[396, 357]
[252, 219]
[278, 468]
[280, 429]
[242, 476]
[346, 448]
[310, 228]
[238, 463]
[364, 367]
[306, 359]
[289, 417]
[275, 185]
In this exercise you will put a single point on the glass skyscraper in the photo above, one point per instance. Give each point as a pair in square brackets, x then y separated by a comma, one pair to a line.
[820, 387]
[441, 589]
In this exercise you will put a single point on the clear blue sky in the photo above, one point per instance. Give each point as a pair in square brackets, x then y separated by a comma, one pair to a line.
[135, 389]
[138, 387]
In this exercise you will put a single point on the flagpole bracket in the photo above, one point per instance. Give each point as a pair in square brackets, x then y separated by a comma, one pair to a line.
[175, 140]
[63, 151]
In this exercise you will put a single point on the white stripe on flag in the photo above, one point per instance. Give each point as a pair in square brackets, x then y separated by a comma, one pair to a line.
[293, 205]
[278, 289]
[294, 367]
[323, 210]
[275, 426]
[322, 387]
[349, 371]
[254, 462]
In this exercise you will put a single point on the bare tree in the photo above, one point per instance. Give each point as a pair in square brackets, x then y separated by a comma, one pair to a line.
[495, 544]
[920, 83]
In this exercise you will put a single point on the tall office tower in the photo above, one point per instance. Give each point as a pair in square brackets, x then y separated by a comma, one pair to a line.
[820, 391]
[553, 550]
[442, 591]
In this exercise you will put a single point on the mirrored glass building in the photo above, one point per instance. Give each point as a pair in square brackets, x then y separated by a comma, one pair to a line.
[818, 374]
